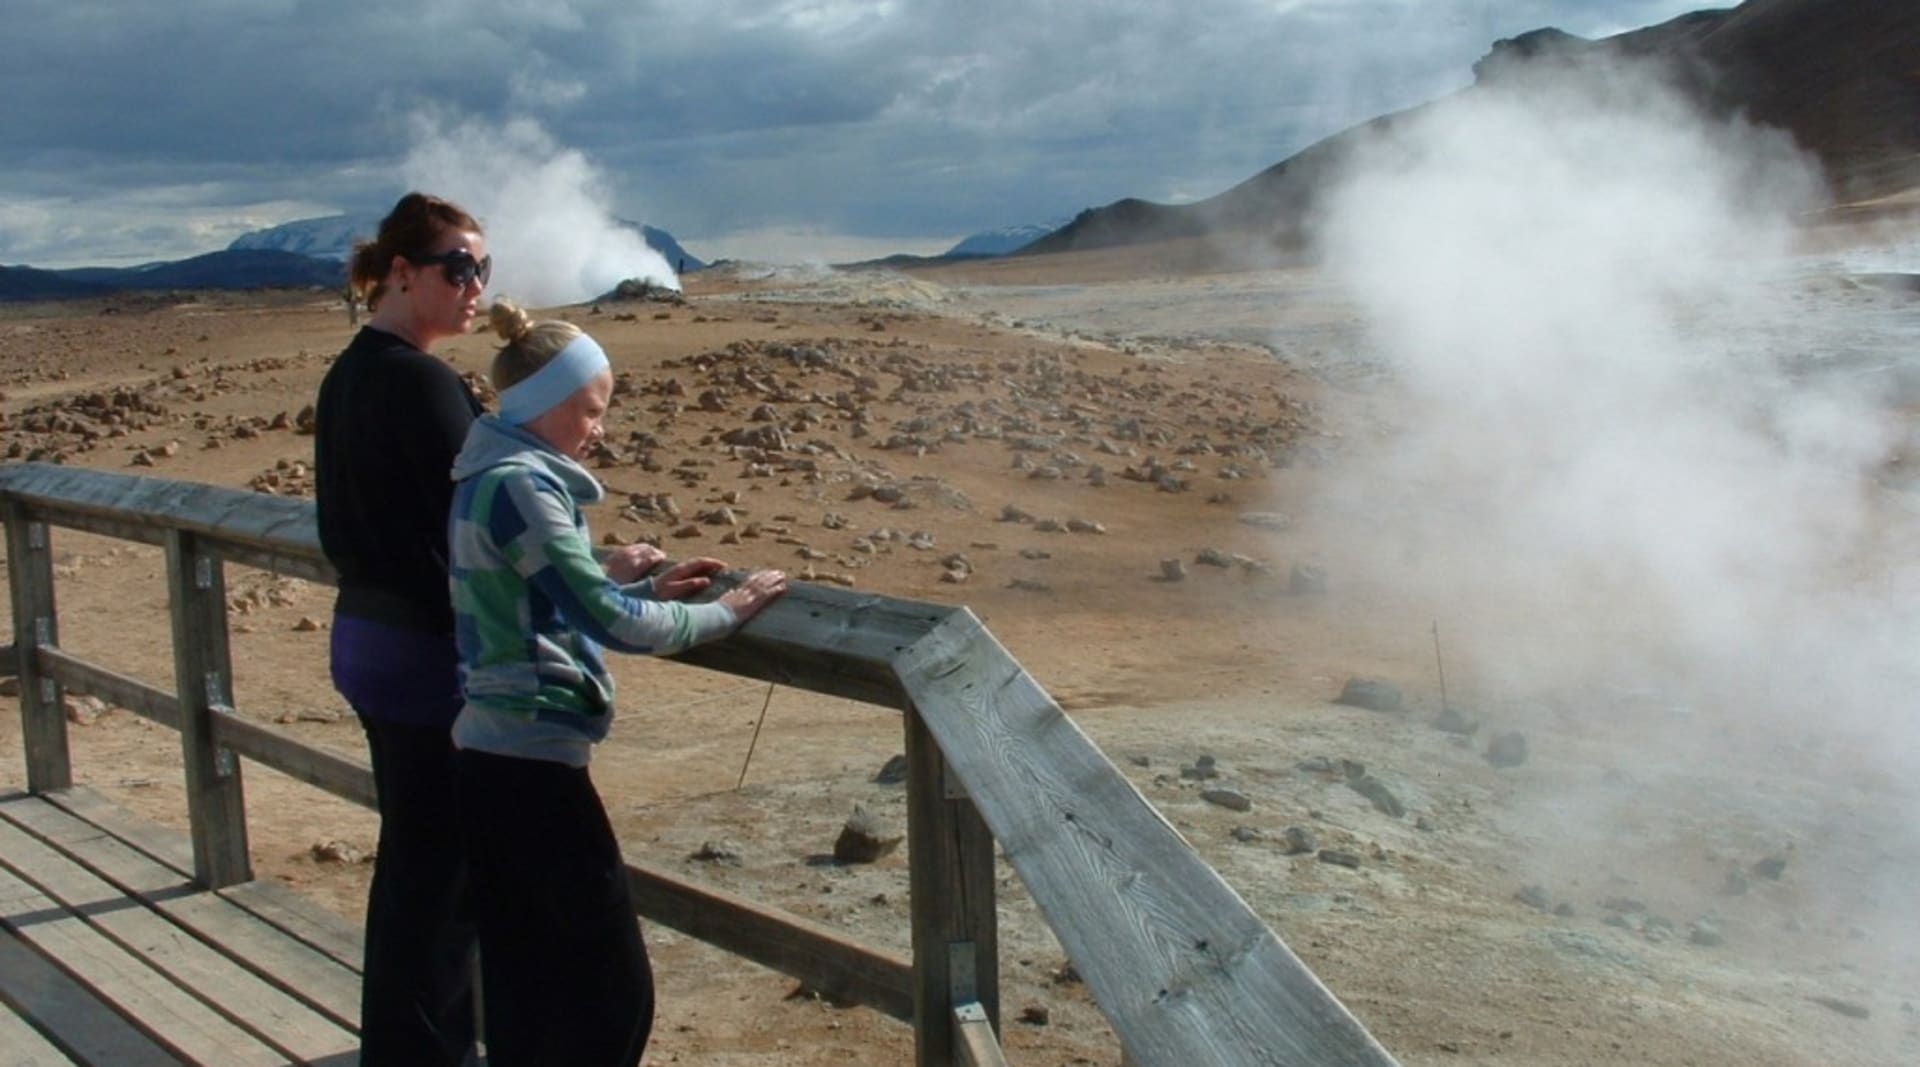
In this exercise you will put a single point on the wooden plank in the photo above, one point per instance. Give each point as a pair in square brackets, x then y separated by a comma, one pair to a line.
[235, 516]
[824, 959]
[956, 956]
[24, 1045]
[271, 902]
[91, 1031]
[203, 678]
[322, 983]
[300, 918]
[277, 1020]
[78, 675]
[178, 1021]
[823, 639]
[36, 623]
[1185, 971]
[976, 1044]
[346, 778]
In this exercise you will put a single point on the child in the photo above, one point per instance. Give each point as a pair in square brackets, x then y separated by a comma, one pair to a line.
[564, 972]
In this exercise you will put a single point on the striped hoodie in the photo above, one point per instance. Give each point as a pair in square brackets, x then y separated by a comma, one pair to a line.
[532, 607]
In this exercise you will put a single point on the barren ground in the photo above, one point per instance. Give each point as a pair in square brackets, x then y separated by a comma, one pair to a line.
[963, 394]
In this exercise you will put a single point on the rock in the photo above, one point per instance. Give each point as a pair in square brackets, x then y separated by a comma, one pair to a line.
[1451, 721]
[1369, 693]
[1508, 749]
[1246, 835]
[1377, 791]
[1705, 934]
[864, 839]
[83, 710]
[1535, 897]
[1035, 1015]
[1299, 840]
[1201, 770]
[1772, 867]
[335, 852]
[893, 772]
[1173, 570]
[1339, 858]
[721, 852]
[1231, 799]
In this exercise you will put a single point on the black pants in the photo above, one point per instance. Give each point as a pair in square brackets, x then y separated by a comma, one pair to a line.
[564, 971]
[416, 1000]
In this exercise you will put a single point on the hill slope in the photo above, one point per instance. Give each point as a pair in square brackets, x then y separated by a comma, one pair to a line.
[1842, 78]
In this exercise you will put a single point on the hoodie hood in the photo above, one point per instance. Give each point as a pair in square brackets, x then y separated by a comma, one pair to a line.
[492, 443]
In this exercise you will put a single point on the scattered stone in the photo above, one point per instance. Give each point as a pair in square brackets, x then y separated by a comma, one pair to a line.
[1246, 835]
[1370, 693]
[1379, 793]
[864, 839]
[308, 624]
[1212, 557]
[1266, 520]
[83, 710]
[1173, 570]
[893, 772]
[1339, 858]
[1201, 770]
[1451, 721]
[1231, 799]
[1508, 749]
[1705, 934]
[721, 852]
[1036, 1015]
[1771, 868]
[1299, 840]
[335, 852]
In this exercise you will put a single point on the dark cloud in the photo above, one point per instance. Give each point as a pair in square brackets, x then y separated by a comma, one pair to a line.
[706, 116]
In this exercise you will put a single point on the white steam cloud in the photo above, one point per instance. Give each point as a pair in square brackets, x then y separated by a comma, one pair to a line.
[1626, 453]
[549, 229]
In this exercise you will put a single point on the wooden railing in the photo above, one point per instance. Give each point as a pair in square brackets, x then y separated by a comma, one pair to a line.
[1186, 973]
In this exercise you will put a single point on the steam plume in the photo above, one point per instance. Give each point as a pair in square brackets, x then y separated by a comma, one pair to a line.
[553, 238]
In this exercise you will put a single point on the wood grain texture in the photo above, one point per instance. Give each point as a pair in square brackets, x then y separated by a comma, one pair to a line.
[1185, 971]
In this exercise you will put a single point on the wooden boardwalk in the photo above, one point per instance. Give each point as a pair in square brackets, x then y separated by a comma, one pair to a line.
[110, 955]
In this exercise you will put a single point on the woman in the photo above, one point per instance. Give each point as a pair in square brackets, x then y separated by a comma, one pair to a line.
[565, 971]
[389, 420]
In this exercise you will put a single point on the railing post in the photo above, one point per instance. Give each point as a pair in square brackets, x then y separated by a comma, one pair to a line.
[203, 677]
[43, 719]
[956, 952]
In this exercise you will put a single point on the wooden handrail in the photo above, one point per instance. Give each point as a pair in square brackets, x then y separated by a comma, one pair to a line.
[1185, 971]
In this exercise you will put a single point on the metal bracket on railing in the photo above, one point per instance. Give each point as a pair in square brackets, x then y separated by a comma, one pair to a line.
[224, 762]
[43, 631]
[47, 691]
[36, 535]
[951, 786]
[962, 979]
[203, 572]
[216, 690]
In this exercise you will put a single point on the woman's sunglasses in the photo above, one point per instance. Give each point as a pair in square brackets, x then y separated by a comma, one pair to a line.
[459, 266]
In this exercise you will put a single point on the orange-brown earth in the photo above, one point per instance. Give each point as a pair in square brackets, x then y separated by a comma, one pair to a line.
[937, 437]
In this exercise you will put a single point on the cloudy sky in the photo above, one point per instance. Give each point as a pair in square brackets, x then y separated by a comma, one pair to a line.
[779, 129]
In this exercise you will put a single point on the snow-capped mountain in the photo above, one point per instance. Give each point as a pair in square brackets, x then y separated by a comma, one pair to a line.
[1004, 240]
[328, 238]
[332, 237]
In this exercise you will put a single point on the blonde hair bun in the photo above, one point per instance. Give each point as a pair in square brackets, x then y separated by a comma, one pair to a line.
[509, 321]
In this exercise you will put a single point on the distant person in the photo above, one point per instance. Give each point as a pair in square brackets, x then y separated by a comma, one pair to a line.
[565, 973]
[389, 420]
